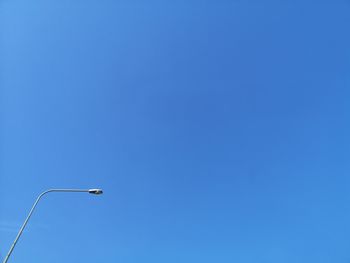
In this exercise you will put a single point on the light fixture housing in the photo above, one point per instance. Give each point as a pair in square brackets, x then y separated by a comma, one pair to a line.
[96, 191]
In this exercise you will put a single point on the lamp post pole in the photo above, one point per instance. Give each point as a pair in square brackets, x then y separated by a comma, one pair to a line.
[91, 191]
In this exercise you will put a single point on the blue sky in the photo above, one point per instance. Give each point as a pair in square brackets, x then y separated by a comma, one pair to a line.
[219, 130]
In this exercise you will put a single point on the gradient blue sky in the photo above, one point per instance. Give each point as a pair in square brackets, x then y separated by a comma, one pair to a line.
[219, 130]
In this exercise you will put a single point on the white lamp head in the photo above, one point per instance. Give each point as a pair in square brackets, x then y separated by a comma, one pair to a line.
[96, 191]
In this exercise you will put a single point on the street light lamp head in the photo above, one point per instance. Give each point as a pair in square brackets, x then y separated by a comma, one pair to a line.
[96, 191]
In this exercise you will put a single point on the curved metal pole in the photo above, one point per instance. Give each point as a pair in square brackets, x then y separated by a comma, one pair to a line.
[93, 191]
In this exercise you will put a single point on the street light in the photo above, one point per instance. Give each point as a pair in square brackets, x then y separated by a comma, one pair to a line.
[90, 191]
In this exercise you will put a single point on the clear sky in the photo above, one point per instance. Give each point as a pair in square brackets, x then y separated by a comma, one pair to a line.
[219, 130]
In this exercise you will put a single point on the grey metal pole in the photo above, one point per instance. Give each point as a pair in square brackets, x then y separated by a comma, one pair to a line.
[91, 191]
